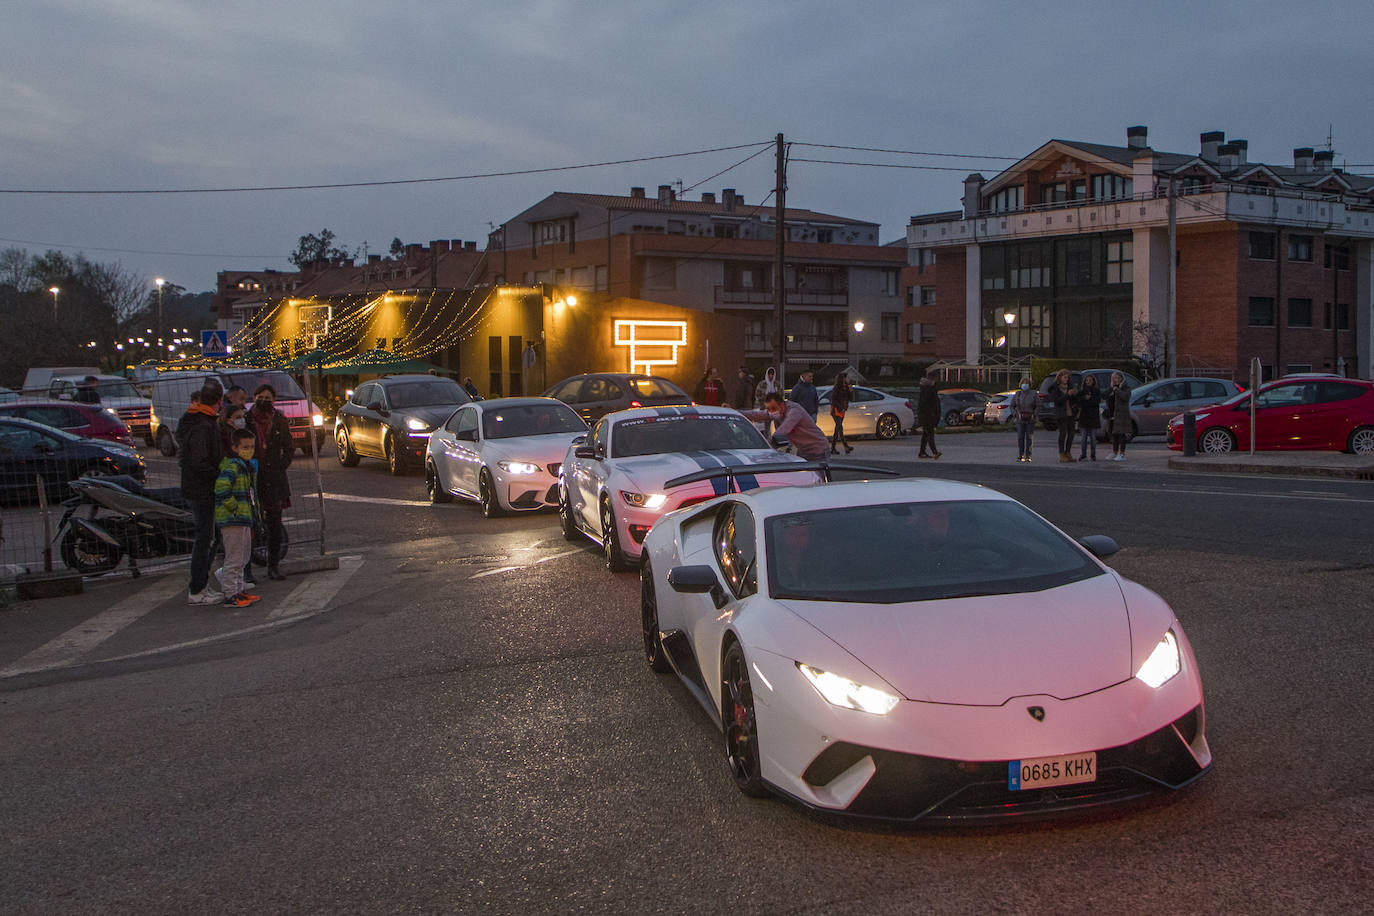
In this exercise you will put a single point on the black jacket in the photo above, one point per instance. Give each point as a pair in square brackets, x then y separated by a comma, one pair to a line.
[804, 393]
[198, 445]
[1089, 401]
[274, 490]
[928, 403]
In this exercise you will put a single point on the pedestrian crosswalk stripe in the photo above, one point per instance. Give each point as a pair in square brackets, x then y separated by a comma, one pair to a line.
[317, 590]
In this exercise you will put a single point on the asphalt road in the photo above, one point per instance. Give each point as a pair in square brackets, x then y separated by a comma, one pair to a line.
[468, 726]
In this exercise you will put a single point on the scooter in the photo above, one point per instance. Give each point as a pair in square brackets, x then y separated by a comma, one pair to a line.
[129, 520]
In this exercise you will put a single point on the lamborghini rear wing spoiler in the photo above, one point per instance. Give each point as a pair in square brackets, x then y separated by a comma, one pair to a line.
[733, 472]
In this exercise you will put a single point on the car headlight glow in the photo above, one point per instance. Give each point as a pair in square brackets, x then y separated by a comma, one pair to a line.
[317, 419]
[417, 424]
[518, 467]
[1164, 662]
[644, 500]
[841, 691]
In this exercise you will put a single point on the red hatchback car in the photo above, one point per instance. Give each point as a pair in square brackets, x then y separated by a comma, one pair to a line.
[1326, 413]
[89, 420]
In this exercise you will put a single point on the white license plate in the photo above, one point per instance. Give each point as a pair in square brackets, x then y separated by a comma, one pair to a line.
[1051, 771]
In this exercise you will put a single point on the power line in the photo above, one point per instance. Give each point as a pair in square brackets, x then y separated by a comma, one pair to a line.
[177, 254]
[903, 152]
[886, 165]
[377, 184]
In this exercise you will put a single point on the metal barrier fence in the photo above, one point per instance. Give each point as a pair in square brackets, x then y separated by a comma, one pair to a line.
[106, 506]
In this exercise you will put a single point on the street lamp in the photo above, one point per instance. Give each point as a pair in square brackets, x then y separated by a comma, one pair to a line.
[1010, 319]
[858, 327]
[160, 283]
[54, 290]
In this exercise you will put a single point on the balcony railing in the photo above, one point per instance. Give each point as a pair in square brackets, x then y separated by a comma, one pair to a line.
[797, 344]
[795, 296]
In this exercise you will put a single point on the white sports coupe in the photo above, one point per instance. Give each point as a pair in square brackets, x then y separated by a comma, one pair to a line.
[612, 485]
[503, 453]
[920, 649]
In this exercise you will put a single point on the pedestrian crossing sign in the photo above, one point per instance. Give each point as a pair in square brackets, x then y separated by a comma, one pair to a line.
[214, 343]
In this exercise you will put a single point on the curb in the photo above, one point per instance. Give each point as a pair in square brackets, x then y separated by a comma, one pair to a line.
[1231, 466]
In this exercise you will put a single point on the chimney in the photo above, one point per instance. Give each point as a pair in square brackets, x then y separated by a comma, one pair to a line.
[1302, 159]
[455, 244]
[637, 192]
[727, 199]
[1242, 148]
[1211, 141]
[665, 194]
[1228, 157]
[973, 195]
[1143, 172]
[470, 246]
[1321, 160]
[413, 249]
[374, 259]
[708, 197]
[438, 246]
[1136, 137]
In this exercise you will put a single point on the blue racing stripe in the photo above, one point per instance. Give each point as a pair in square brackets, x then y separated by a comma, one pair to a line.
[705, 460]
[745, 481]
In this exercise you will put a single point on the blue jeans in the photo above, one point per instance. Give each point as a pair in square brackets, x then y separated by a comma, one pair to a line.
[1089, 443]
[1025, 432]
[203, 511]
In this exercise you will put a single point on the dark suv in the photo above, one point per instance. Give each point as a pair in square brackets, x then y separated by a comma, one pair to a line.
[391, 418]
[954, 401]
[1045, 413]
[597, 394]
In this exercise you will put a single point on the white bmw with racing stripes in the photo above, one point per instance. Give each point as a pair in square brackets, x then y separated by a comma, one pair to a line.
[920, 649]
[612, 485]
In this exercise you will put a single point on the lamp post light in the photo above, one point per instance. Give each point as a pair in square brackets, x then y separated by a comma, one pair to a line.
[54, 290]
[1010, 319]
[158, 337]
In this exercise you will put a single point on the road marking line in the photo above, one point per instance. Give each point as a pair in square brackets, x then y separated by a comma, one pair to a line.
[492, 572]
[566, 553]
[318, 590]
[93, 631]
[378, 500]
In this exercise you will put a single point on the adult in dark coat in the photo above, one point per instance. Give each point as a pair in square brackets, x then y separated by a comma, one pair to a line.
[744, 390]
[840, 395]
[1118, 402]
[199, 451]
[274, 449]
[1089, 404]
[1061, 395]
[804, 393]
[928, 414]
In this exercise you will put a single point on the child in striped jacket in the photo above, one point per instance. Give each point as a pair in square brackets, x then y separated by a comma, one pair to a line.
[234, 515]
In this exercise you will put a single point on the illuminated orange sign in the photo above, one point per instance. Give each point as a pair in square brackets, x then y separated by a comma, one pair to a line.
[651, 343]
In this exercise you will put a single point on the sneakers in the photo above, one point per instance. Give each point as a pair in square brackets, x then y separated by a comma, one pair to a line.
[206, 595]
[936, 454]
[240, 600]
[1121, 457]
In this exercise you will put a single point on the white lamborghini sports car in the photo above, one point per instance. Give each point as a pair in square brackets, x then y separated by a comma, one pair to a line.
[612, 485]
[920, 649]
[504, 453]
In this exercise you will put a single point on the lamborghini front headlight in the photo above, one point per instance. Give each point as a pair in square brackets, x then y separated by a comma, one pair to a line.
[841, 691]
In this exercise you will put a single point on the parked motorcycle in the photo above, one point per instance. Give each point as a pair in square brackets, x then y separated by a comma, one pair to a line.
[129, 520]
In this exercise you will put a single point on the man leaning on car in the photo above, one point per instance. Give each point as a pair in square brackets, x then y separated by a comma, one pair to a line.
[793, 424]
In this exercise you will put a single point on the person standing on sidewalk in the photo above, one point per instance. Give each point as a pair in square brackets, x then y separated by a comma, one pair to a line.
[1023, 406]
[928, 414]
[1089, 402]
[1061, 395]
[744, 390]
[840, 396]
[804, 393]
[234, 516]
[275, 449]
[198, 445]
[1118, 415]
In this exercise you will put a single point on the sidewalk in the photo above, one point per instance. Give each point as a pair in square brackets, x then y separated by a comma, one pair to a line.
[1149, 454]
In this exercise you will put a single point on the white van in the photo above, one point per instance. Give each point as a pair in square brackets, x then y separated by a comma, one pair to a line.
[171, 394]
[116, 393]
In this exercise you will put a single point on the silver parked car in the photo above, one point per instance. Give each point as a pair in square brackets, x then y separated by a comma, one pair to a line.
[871, 413]
[1154, 404]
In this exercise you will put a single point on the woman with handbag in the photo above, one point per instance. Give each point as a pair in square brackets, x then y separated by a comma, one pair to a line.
[839, 403]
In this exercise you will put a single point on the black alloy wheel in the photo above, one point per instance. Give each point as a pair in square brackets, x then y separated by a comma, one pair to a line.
[486, 495]
[610, 540]
[437, 493]
[648, 614]
[952, 418]
[889, 427]
[741, 728]
[395, 460]
[347, 457]
[571, 533]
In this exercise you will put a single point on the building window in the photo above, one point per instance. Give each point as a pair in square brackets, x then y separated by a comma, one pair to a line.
[889, 324]
[1300, 248]
[1261, 311]
[925, 257]
[1077, 263]
[1055, 193]
[600, 281]
[660, 273]
[825, 236]
[889, 282]
[1119, 262]
[1336, 256]
[920, 332]
[1191, 184]
[1078, 189]
[1006, 200]
[1110, 187]
[723, 231]
[1300, 313]
[1261, 246]
[1297, 368]
[1342, 316]
[927, 295]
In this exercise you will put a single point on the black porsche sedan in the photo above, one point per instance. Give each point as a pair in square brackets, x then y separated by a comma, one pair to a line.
[31, 453]
[391, 418]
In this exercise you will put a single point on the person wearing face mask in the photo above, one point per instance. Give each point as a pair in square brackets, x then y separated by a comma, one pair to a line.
[1023, 407]
[232, 417]
[274, 449]
[793, 424]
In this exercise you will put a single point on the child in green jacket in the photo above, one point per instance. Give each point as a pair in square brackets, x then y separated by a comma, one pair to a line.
[234, 516]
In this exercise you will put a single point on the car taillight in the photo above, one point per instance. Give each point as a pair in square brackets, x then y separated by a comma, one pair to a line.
[908, 406]
[636, 404]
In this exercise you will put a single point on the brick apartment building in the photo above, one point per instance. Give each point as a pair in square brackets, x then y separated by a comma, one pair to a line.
[1072, 242]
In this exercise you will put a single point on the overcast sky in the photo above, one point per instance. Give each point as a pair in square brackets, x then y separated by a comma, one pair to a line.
[165, 94]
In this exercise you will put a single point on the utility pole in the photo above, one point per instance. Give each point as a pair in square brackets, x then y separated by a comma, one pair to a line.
[1171, 335]
[779, 249]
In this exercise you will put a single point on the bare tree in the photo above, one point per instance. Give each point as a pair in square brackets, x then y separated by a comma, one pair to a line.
[15, 269]
[123, 291]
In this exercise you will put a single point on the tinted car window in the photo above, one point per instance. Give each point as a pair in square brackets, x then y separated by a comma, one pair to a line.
[364, 393]
[466, 421]
[1338, 391]
[530, 420]
[425, 393]
[284, 385]
[1289, 395]
[1170, 391]
[919, 552]
[646, 387]
[566, 392]
[866, 394]
[736, 551]
[656, 435]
